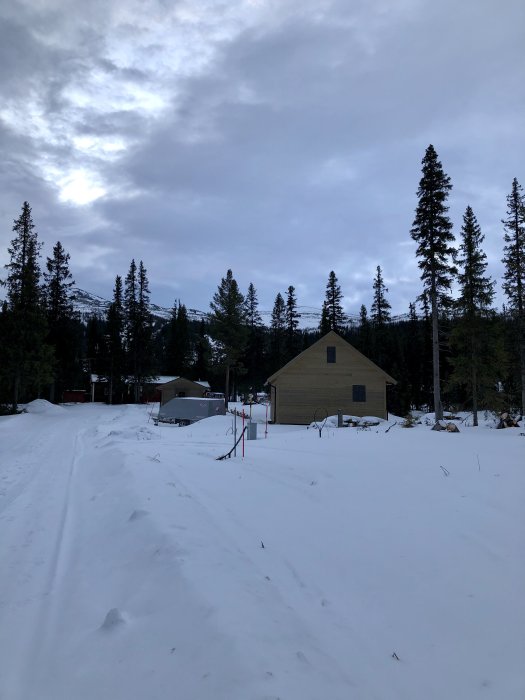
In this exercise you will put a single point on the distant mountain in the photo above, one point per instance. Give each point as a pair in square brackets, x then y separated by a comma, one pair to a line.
[88, 305]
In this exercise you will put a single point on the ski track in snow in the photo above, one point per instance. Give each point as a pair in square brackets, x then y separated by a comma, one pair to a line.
[133, 565]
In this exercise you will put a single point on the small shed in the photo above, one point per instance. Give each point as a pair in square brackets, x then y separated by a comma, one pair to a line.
[149, 391]
[182, 388]
[329, 376]
[190, 410]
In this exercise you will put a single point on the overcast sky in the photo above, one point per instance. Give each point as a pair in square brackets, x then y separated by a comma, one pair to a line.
[279, 138]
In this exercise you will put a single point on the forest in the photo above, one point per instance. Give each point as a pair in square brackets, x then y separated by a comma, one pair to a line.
[453, 353]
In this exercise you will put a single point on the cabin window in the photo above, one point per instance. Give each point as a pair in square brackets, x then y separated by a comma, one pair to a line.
[358, 393]
[330, 354]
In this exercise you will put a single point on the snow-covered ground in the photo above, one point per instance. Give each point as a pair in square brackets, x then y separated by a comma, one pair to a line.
[362, 564]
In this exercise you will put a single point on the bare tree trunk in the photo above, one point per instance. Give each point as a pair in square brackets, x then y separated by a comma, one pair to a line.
[474, 373]
[522, 362]
[438, 408]
[16, 390]
[474, 380]
[227, 387]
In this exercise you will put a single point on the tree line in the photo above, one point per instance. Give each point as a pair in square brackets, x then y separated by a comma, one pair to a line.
[460, 352]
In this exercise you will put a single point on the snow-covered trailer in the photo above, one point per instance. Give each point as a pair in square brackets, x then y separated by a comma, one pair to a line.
[190, 409]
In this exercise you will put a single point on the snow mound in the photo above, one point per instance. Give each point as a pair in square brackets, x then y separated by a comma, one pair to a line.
[113, 619]
[212, 426]
[359, 421]
[43, 406]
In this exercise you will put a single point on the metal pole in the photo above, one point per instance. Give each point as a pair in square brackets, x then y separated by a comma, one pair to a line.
[243, 433]
[235, 432]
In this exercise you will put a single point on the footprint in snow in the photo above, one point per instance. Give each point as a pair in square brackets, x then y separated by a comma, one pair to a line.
[113, 619]
[302, 658]
[137, 514]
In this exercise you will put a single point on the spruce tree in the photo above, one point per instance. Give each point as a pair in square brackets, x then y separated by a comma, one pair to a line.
[115, 370]
[179, 342]
[364, 334]
[170, 351]
[228, 325]
[130, 320]
[324, 323]
[145, 370]
[251, 308]
[415, 357]
[254, 354]
[432, 231]
[292, 316]
[57, 285]
[514, 276]
[203, 352]
[380, 311]
[63, 322]
[380, 314]
[277, 332]
[477, 362]
[334, 309]
[27, 361]
[138, 328]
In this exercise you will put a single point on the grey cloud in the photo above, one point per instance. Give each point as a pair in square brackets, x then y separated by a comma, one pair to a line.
[296, 151]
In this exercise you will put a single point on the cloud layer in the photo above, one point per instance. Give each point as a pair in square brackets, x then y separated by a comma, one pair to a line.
[281, 139]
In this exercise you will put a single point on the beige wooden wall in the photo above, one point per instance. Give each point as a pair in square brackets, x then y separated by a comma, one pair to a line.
[309, 384]
[172, 389]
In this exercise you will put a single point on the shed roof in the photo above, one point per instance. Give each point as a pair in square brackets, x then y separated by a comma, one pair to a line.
[168, 380]
[98, 378]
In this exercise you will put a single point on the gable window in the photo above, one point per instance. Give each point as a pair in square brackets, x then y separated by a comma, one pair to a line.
[358, 393]
[330, 354]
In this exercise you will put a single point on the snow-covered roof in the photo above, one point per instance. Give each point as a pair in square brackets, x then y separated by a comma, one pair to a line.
[164, 379]
[95, 378]
[201, 382]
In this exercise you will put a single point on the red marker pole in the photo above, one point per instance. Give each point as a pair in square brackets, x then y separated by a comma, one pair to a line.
[266, 427]
[243, 433]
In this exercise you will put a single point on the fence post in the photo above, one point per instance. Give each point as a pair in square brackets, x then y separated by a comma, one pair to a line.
[243, 433]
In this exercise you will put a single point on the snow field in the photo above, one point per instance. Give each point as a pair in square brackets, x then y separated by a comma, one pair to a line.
[135, 565]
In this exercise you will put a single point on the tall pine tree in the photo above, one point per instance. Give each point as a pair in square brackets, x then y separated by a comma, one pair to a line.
[380, 315]
[324, 323]
[178, 350]
[253, 358]
[278, 332]
[380, 310]
[477, 361]
[115, 365]
[27, 358]
[63, 322]
[432, 231]
[292, 316]
[514, 276]
[333, 309]
[228, 325]
[138, 328]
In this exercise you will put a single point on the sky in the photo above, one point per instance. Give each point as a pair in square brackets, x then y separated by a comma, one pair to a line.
[281, 139]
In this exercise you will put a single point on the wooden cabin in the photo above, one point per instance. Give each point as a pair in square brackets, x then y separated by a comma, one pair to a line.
[180, 387]
[149, 391]
[329, 376]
